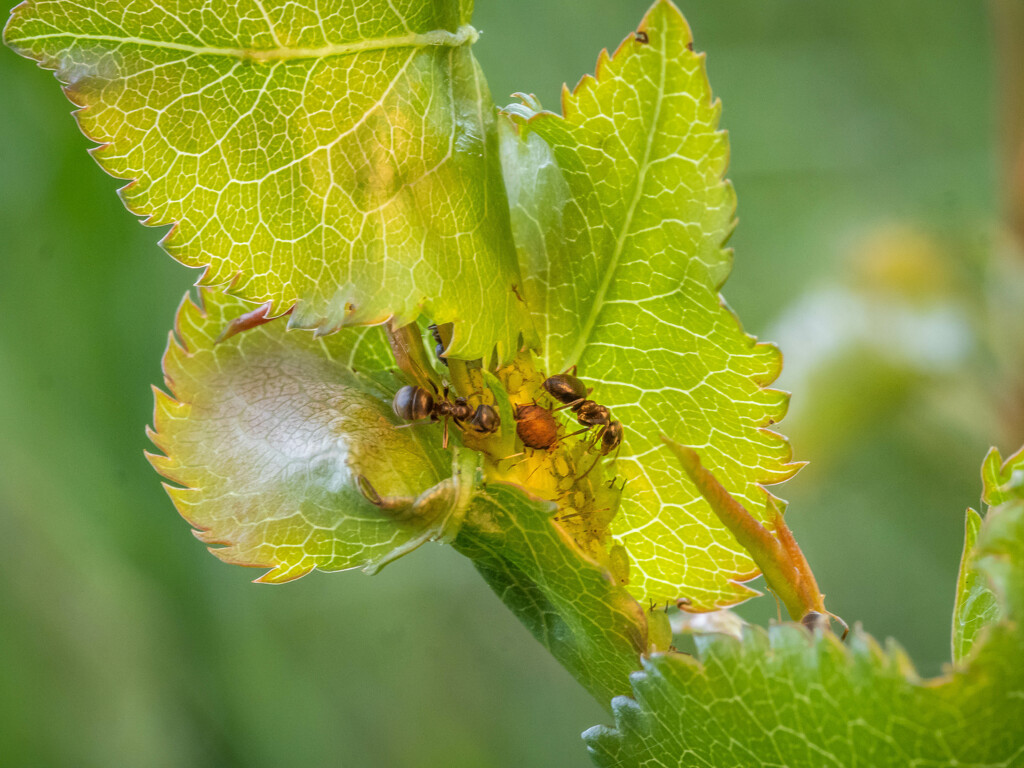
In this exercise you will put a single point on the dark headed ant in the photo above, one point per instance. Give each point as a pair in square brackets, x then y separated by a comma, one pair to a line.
[570, 391]
[413, 403]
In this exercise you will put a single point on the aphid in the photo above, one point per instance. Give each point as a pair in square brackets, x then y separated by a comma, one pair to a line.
[439, 349]
[413, 403]
[641, 37]
[536, 427]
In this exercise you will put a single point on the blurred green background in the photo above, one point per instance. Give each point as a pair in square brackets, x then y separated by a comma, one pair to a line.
[865, 155]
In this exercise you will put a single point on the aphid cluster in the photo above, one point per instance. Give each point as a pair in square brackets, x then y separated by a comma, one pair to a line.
[414, 403]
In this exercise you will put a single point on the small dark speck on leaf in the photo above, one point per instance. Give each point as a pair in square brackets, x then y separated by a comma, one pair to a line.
[641, 37]
[689, 46]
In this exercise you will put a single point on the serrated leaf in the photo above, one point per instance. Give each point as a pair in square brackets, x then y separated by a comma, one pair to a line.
[1002, 480]
[267, 434]
[621, 212]
[337, 156]
[975, 606]
[566, 600]
[783, 698]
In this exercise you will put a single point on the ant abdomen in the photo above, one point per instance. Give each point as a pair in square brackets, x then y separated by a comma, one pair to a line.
[413, 403]
[567, 389]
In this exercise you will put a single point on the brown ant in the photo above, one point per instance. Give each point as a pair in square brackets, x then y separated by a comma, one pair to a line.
[570, 391]
[413, 403]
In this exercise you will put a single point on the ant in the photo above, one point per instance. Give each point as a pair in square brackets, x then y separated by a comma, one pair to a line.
[413, 403]
[570, 391]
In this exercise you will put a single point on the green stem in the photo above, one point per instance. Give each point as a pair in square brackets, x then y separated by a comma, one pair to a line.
[458, 370]
[410, 355]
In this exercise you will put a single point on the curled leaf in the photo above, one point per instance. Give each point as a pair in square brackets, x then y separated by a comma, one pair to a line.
[282, 456]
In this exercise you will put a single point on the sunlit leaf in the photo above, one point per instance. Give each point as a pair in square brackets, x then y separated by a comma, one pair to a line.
[976, 606]
[781, 698]
[568, 602]
[338, 156]
[1003, 480]
[621, 212]
[268, 435]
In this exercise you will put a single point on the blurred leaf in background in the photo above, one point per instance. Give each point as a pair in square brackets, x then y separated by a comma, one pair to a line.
[123, 641]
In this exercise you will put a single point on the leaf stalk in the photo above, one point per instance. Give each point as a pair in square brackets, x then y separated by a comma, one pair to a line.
[780, 559]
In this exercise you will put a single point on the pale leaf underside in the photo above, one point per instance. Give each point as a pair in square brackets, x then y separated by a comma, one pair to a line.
[267, 434]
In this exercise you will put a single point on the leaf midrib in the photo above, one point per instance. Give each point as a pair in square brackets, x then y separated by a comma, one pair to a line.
[613, 266]
[437, 37]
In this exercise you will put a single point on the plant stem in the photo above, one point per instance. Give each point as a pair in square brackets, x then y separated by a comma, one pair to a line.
[458, 372]
[407, 347]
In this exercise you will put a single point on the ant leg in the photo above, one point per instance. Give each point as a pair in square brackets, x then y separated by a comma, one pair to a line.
[598, 459]
[572, 405]
[532, 472]
[444, 435]
[512, 456]
[568, 517]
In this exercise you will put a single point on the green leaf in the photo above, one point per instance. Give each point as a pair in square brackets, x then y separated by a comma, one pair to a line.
[268, 434]
[336, 156]
[1003, 480]
[785, 698]
[976, 606]
[621, 212]
[566, 600]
